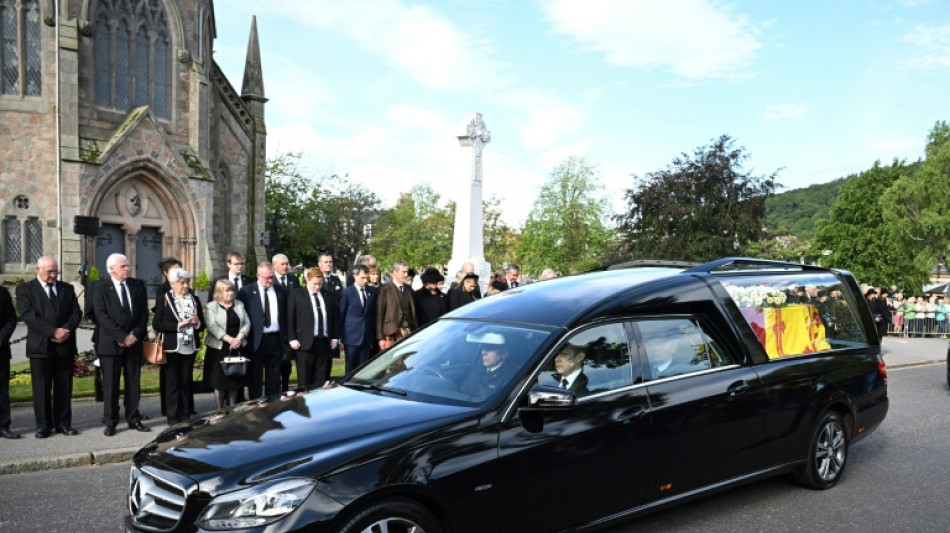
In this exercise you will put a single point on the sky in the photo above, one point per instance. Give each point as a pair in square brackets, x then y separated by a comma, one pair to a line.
[379, 90]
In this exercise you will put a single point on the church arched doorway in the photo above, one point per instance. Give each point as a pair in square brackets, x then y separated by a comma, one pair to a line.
[143, 219]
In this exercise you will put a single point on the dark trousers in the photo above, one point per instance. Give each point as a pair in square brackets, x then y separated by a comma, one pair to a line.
[179, 379]
[356, 355]
[52, 380]
[287, 368]
[4, 393]
[263, 372]
[128, 365]
[313, 365]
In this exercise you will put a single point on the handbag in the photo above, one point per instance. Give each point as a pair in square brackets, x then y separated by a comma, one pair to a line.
[234, 366]
[153, 351]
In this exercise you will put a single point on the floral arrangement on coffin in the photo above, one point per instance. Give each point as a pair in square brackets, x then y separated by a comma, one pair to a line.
[757, 296]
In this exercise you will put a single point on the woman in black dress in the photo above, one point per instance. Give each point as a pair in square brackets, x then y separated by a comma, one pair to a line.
[228, 327]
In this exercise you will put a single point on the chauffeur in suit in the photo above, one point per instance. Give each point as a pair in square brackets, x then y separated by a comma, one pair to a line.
[358, 318]
[313, 329]
[51, 312]
[266, 304]
[7, 326]
[120, 304]
[395, 310]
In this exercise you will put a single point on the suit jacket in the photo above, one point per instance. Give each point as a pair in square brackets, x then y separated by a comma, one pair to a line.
[458, 297]
[579, 387]
[389, 316]
[301, 320]
[217, 318]
[245, 280]
[292, 281]
[358, 325]
[42, 319]
[7, 322]
[250, 296]
[332, 284]
[166, 320]
[113, 322]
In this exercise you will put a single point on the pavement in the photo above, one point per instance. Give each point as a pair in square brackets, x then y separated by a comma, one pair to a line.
[91, 447]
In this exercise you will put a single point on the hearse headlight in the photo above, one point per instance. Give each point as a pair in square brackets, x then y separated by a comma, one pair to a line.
[256, 506]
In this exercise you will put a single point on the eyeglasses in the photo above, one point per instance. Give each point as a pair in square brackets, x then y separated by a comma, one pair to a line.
[51, 271]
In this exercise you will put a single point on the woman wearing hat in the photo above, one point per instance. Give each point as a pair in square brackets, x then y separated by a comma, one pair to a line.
[429, 301]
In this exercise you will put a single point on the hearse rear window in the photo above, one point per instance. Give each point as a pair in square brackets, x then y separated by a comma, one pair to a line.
[796, 314]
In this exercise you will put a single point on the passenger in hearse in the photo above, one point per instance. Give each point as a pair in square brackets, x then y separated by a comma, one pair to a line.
[569, 365]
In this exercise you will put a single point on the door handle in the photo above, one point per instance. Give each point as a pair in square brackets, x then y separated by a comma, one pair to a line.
[632, 413]
[737, 388]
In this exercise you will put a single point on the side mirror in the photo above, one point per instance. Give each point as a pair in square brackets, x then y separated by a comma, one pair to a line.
[548, 397]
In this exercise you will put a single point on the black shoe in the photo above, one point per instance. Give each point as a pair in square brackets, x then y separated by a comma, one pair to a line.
[109, 431]
[138, 426]
[144, 417]
[7, 434]
[66, 430]
[42, 434]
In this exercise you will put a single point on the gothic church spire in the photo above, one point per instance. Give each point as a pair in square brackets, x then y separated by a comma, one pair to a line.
[253, 86]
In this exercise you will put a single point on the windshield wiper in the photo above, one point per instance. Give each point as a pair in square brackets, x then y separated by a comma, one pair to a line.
[370, 386]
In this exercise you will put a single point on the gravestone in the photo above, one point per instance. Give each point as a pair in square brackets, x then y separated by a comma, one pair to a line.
[468, 243]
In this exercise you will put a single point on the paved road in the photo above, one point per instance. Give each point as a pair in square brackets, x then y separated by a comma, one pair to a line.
[896, 482]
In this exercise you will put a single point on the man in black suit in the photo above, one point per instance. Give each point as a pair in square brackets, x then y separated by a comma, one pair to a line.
[331, 286]
[286, 278]
[235, 275]
[313, 329]
[569, 365]
[7, 326]
[266, 305]
[358, 318]
[51, 312]
[120, 304]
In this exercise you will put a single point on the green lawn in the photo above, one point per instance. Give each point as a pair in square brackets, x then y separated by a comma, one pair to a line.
[21, 390]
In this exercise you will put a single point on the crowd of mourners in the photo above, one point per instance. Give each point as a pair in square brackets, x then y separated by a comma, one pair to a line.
[909, 316]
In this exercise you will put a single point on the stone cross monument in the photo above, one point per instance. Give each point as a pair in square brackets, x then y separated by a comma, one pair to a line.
[468, 243]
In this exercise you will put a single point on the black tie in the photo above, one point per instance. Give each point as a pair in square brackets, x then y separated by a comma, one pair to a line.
[319, 317]
[52, 296]
[237, 282]
[266, 310]
[125, 299]
[564, 383]
[362, 298]
[283, 281]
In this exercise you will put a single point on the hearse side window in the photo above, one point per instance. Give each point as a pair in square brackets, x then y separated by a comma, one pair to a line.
[796, 314]
[675, 346]
[594, 360]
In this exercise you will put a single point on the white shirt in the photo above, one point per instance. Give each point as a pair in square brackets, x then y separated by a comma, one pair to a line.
[571, 377]
[271, 295]
[47, 286]
[323, 305]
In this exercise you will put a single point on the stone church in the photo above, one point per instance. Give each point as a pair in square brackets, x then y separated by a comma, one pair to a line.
[120, 133]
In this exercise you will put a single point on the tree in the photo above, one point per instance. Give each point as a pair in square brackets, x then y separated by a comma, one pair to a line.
[566, 228]
[308, 217]
[783, 247]
[918, 213]
[416, 230]
[699, 208]
[855, 237]
[500, 239]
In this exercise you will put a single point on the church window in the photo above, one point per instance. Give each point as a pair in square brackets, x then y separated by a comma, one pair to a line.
[22, 235]
[20, 48]
[131, 55]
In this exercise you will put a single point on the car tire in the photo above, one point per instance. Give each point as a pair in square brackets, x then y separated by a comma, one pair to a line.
[393, 516]
[827, 453]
